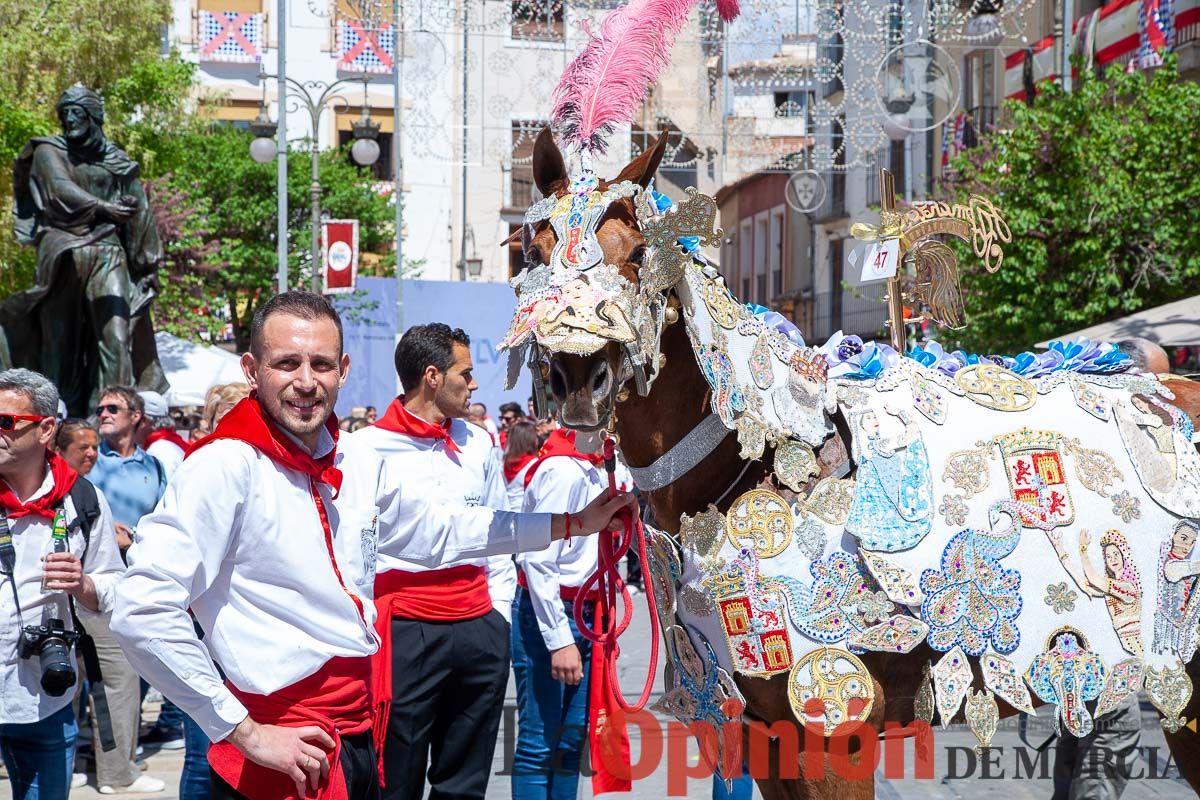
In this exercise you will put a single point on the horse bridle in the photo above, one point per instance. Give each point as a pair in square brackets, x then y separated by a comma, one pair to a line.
[579, 224]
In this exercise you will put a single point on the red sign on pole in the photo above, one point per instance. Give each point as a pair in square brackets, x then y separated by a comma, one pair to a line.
[339, 249]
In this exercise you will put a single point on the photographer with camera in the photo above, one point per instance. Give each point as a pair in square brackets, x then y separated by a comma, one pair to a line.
[58, 555]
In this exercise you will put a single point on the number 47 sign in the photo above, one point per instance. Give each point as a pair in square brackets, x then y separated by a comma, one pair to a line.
[880, 259]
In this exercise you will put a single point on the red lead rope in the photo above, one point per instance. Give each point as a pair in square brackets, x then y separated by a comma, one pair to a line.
[606, 582]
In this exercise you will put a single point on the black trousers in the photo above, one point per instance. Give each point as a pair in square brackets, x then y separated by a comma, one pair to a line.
[358, 765]
[448, 682]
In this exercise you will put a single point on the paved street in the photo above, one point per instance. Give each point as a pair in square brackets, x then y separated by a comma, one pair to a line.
[1009, 776]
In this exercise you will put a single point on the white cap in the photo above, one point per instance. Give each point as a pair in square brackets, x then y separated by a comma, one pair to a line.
[156, 404]
[62, 410]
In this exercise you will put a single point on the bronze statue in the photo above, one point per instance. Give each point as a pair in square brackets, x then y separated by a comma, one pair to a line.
[85, 322]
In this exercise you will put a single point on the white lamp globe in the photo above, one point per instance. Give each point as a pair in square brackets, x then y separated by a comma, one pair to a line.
[365, 152]
[896, 127]
[263, 150]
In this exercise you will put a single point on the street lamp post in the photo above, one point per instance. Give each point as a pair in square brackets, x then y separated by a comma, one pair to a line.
[315, 97]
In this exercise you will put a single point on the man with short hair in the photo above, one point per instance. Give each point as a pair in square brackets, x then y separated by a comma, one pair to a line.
[268, 533]
[157, 433]
[131, 479]
[479, 415]
[439, 703]
[510, 414]
[370, 414]
[1146, 356]
[37, 723]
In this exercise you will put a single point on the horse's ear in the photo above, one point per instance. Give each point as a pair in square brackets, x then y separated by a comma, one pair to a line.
[548, 165]
[641, 170]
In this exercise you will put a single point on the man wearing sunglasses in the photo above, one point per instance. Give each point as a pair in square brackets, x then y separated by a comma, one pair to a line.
[132, 479]
[37, 724]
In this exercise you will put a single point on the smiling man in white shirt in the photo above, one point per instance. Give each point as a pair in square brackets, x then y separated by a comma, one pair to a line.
[268, 533]
[443, 665]
[39, 585]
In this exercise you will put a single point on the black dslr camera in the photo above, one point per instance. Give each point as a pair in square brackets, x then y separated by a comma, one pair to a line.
[52, 644]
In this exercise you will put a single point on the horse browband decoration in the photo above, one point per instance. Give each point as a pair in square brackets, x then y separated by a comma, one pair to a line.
[578, 304]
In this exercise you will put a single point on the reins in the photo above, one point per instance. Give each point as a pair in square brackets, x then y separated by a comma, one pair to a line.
[607, 585]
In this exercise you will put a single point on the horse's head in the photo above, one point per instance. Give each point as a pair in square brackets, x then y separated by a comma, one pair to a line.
[584, 385]
[582, 300]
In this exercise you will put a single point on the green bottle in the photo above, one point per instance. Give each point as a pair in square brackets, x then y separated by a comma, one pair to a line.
[58, 542]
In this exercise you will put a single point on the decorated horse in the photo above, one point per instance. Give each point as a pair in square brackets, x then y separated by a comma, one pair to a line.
[852, 534]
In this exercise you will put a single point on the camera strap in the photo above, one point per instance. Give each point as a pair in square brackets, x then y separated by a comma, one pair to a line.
[8, 561]
[87, 511]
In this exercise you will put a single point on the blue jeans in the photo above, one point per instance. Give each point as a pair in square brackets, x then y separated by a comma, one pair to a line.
[743, 788]
[195, 782]
[552, 717]
[170, 718]
[39, 756]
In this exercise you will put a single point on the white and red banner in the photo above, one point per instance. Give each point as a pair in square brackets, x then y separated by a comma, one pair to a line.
[364, 49]
[230, 36]
[339, 255]
[1129, 33]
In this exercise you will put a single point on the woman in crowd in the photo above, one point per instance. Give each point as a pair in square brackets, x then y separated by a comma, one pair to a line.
[78, 443]
[521, 448]
[217, 402]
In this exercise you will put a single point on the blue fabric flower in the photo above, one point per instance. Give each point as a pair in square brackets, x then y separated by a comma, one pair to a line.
[851, 357]
[662, 203]
[773, 319]
[1082, 356]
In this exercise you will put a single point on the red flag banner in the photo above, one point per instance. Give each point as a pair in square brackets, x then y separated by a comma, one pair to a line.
[339, 255]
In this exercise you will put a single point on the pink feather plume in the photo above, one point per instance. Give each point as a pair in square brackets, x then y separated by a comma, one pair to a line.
[728, 9]
[606, 83]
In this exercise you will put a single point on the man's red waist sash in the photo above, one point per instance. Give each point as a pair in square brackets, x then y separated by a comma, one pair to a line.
[453, 594]
[335, 698]
[442, 595]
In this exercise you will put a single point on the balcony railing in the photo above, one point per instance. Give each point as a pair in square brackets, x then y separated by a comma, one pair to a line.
[863, 312]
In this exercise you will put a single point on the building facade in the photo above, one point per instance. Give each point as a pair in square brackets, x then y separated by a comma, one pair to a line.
[476, 80]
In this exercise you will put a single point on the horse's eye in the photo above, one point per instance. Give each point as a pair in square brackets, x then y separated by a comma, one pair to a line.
[638, 256]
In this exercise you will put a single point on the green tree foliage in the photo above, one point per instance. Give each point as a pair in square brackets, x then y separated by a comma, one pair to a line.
[183, 307]
[48, 45]
[241, 200]
[1101, 187]
[214, 206]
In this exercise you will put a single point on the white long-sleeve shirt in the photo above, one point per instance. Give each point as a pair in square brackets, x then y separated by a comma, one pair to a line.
[516, 488]
[168, 454]
[561, 484]
[22, 699]
[472, 477]
[238, 540]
